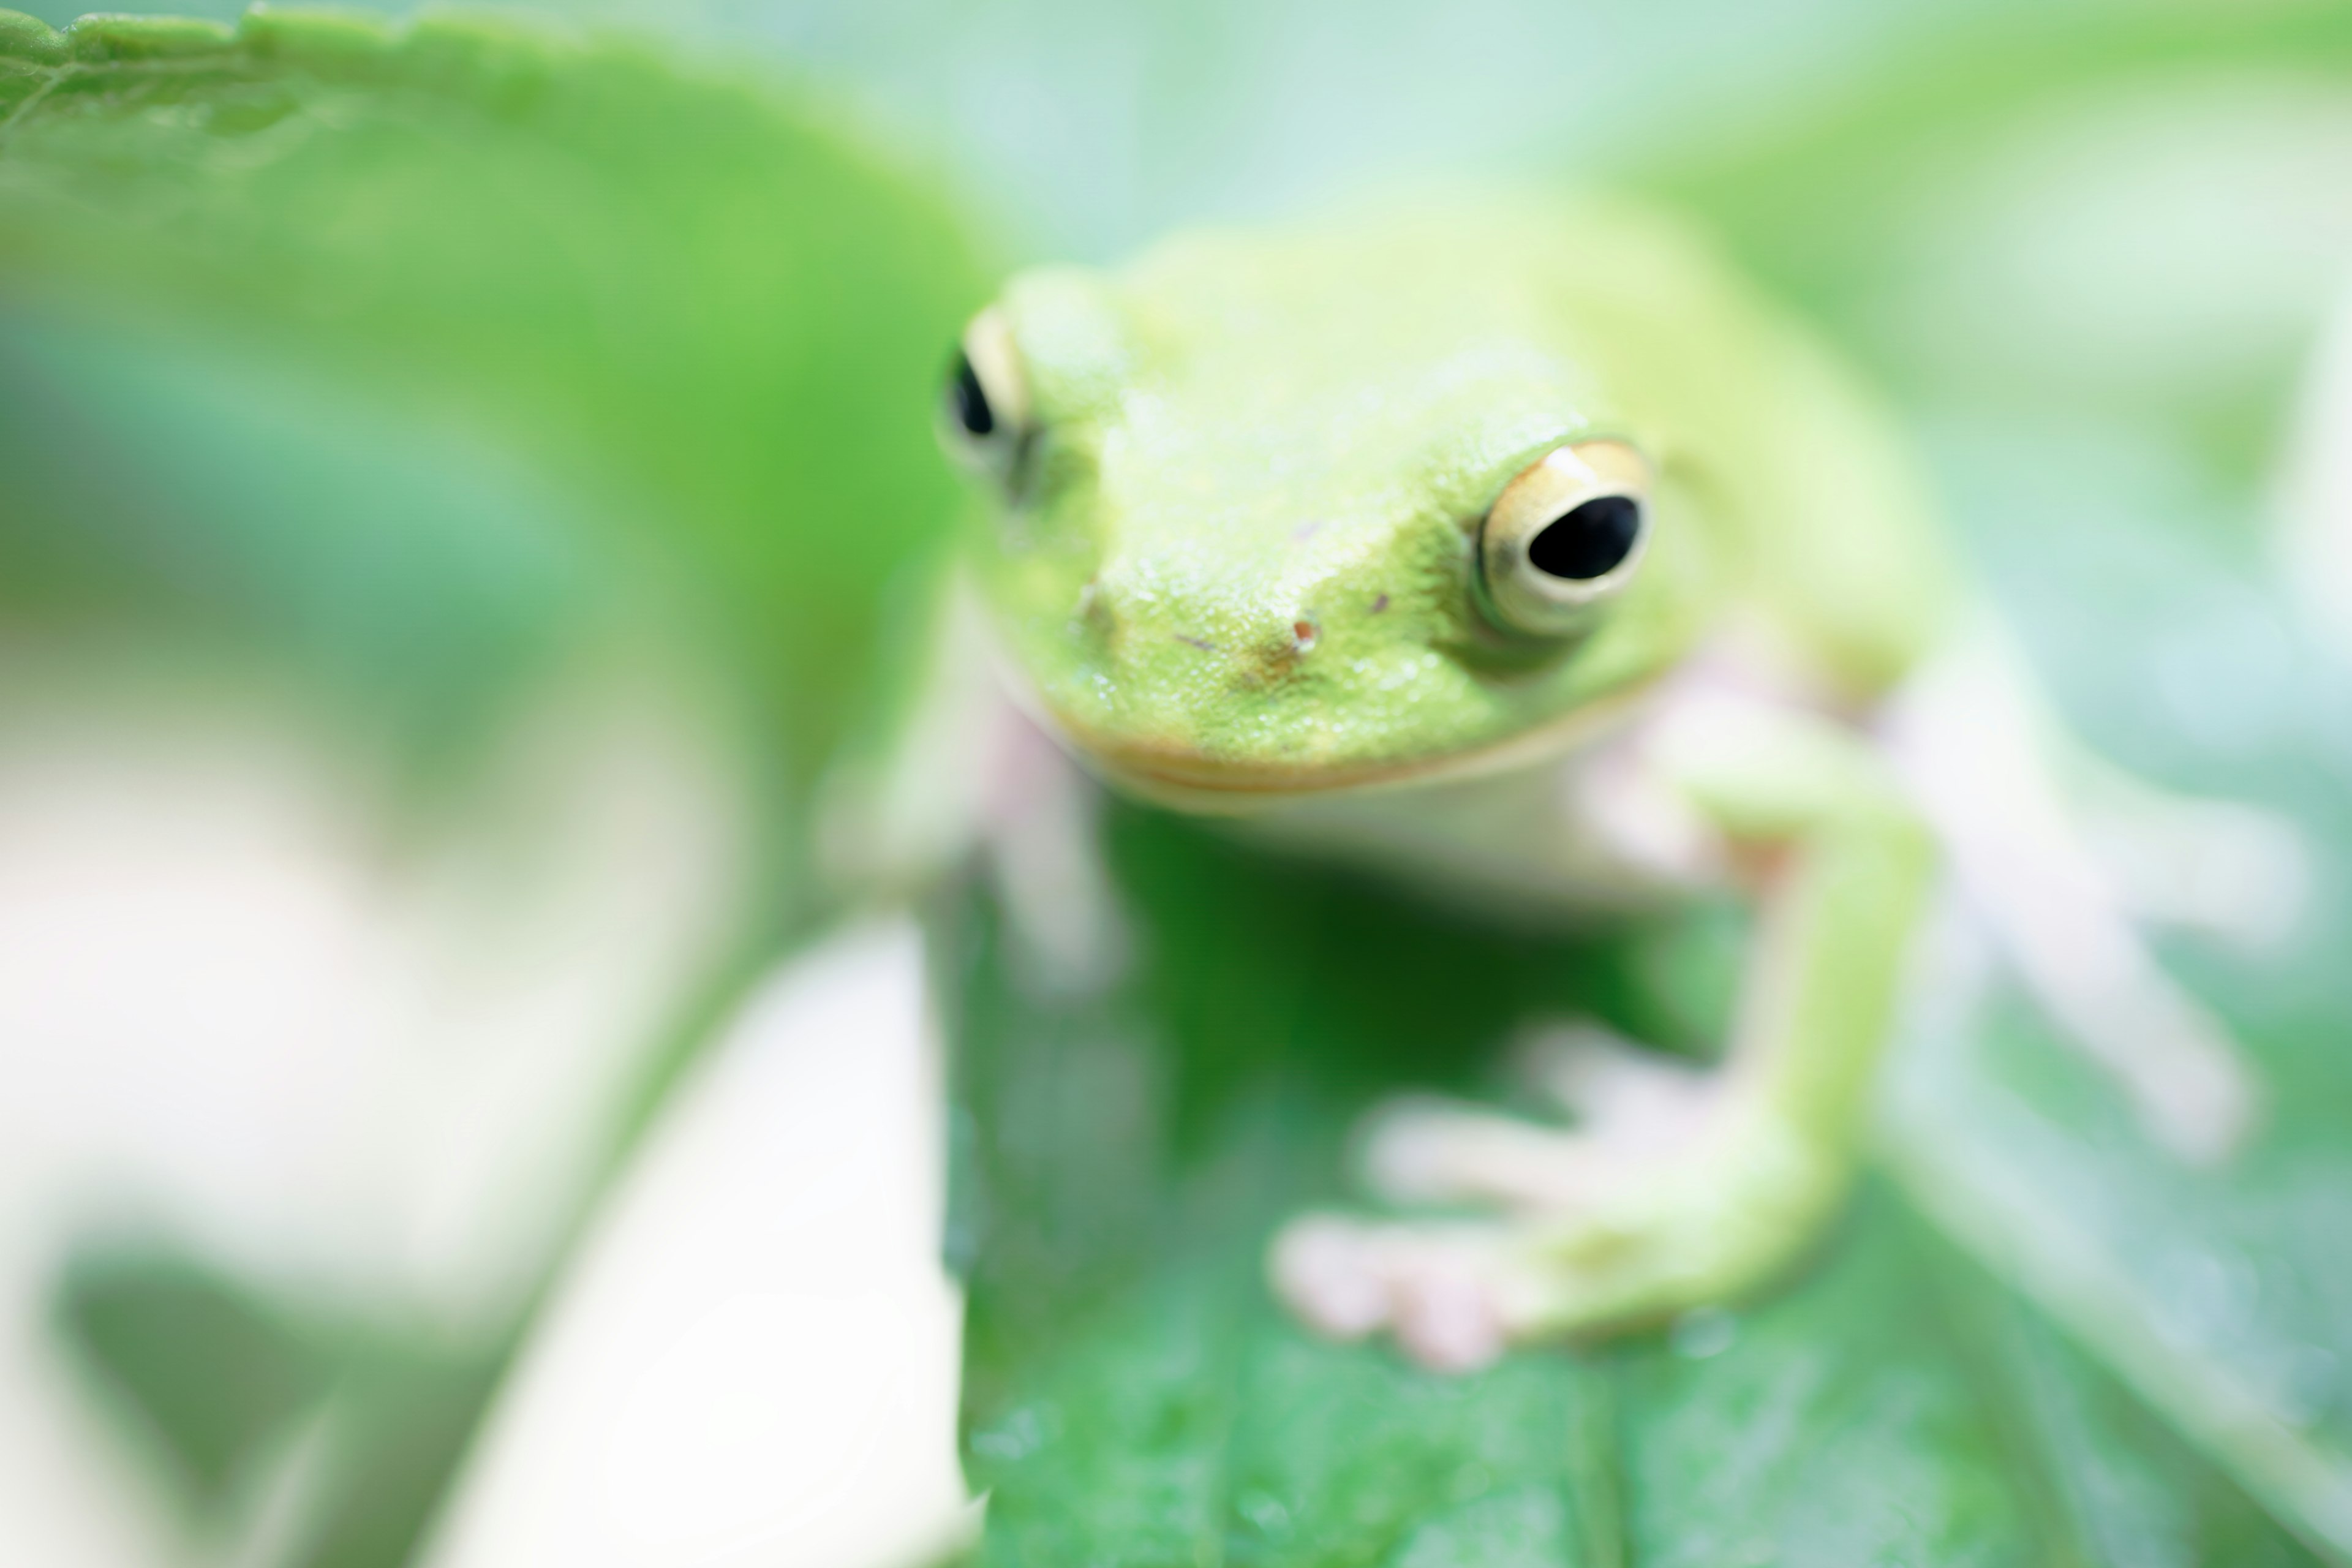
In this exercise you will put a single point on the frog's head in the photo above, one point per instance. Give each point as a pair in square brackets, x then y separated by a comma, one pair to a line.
[1278, 514]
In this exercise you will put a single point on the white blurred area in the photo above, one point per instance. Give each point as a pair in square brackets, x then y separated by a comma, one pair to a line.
[754, 1361]
[248, 1005]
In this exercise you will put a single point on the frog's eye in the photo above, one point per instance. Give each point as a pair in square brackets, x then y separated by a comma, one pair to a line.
[984, 413]
[1564, 537]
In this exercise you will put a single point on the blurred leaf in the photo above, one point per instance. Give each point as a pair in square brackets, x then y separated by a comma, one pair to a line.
[400, 1425]
[2133, 210]
[403, 359]
[688, 298]
[171, 496]
[213, 1370]
[222, 1375]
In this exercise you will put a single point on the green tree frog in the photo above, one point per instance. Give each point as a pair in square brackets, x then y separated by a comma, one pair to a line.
[1514, 549]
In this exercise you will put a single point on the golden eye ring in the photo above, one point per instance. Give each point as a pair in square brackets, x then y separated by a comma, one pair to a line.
[1565, 537]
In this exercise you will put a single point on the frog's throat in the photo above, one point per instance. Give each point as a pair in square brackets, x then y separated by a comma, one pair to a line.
[1213, 786]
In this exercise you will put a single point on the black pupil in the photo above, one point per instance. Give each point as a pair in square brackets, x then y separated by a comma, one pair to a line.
[972, 409]
[1588, 541]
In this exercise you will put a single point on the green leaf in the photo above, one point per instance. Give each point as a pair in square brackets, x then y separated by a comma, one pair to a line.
[690, 298]
[218, 1375]
[2127, 211]
[213, 1370]
[167, 495]
[402, 360]
[1133, 1395]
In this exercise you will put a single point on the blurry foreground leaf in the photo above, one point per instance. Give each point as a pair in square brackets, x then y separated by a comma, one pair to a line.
[683, 296]
[405, 363]
[241, 1395]
[170, 498]
[213, 1372]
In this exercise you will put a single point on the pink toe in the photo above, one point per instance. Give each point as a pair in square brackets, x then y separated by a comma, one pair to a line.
[1324, 1269]
[1448, 1322]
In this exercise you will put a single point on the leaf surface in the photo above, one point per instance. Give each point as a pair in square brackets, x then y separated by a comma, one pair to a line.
[1133, 1396]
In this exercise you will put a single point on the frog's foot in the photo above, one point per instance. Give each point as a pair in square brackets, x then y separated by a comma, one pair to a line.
[1432, 1151]
[1632, 1106]
[1593, 1241]
[1453, 1295]
[1619, 1093]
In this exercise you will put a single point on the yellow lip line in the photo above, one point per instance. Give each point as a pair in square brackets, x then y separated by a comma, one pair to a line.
[1194, 783]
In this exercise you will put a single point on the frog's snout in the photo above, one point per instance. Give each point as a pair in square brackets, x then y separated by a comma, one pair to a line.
[1194, 690]
[1168, 645]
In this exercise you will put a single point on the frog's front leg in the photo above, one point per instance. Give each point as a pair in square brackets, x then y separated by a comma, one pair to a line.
[1596, 1236]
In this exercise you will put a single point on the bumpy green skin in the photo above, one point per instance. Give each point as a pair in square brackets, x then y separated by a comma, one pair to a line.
[1243, 438]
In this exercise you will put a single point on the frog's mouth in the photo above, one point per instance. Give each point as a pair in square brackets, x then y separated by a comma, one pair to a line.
[1185, 780]
[1191, 781]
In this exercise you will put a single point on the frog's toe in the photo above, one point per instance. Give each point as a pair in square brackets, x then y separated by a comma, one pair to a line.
[1717, 1220]
[1449, 1306]
[1455, 1295]
[1634, 1108]
[1326, 1270]
[1427, 1150]
[1619, 1092]
[1451, 1293]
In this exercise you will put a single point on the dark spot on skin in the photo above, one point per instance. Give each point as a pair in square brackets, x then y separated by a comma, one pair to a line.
[1198, 643]
[1379, 603]
[1303, 633]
